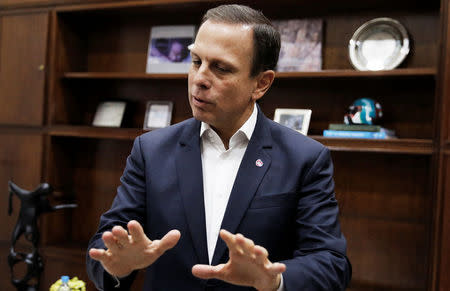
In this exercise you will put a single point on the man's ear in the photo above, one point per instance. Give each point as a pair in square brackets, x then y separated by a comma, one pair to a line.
[263, 82]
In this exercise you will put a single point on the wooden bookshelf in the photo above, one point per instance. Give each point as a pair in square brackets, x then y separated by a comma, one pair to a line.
[392, 193]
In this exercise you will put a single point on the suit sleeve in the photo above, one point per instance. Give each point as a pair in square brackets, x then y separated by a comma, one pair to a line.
[129, 204]
[319, 261]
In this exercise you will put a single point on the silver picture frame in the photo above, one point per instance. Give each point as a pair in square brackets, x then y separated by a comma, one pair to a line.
[296, 119]
[158, 114]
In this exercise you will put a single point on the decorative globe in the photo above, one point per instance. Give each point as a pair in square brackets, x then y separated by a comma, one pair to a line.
[364, 111]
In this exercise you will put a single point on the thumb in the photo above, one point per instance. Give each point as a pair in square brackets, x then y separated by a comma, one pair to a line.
[169, 240]
[207, 271]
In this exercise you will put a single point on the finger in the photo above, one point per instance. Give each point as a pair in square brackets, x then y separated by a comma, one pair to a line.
[246, 244]
[169, 240]
[97, 254]
[121, 235]
[277, 268]
[261, 255]
[230, 241]
[136, 231]
[208, 272]
[110, 241]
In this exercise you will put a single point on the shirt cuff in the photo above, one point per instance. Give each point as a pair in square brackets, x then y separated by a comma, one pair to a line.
[281, 287]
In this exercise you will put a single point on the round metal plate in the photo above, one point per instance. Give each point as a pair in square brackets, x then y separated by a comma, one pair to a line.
[379, 44]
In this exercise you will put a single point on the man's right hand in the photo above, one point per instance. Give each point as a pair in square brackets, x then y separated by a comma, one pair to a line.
[132, 250]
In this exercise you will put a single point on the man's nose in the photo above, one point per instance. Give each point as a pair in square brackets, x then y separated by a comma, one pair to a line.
[202, 77]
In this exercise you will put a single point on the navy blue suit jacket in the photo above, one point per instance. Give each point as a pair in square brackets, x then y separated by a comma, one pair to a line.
[287, 206]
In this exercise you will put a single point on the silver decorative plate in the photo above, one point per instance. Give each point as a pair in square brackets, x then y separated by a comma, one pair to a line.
[379, 44]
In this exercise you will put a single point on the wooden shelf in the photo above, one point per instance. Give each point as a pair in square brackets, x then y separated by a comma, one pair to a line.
[405, 146]
[121, 75]
[395, 146]
[95, 132]
[348, 73]
[416, 72]
[137, 6]
[21, 129]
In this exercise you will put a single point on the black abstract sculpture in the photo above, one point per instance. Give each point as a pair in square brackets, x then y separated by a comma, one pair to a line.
[33, 204]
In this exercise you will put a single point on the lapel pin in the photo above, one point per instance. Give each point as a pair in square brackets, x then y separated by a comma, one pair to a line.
[259, 163]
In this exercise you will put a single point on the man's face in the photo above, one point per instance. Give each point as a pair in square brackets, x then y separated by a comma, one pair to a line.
[220, 87]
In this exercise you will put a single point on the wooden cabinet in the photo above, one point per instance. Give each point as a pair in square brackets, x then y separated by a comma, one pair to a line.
[392, 193]
[23, 50]
[23, 40]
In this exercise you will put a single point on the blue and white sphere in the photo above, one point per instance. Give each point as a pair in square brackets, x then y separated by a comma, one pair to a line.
[364, 111]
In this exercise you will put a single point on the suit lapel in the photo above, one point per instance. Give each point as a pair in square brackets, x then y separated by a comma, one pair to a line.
[248, 178]
[190, 177]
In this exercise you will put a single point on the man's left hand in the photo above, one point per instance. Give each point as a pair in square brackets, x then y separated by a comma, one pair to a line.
[248, 265]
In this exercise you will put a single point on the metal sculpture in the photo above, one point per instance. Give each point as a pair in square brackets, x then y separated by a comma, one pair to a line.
[33, 204]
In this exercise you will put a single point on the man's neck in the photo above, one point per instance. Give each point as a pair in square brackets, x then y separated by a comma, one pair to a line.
[225, 136]
[226, 133]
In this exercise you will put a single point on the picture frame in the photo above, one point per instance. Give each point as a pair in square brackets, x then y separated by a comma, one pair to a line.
[158, 114]
[296, 119]
[168, 49]
[109, 114]
[301, 44]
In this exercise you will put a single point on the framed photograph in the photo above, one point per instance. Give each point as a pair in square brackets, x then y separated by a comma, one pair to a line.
[297, 119]
[301, 45]
[109, 114]
[158, 114]
[168, 50]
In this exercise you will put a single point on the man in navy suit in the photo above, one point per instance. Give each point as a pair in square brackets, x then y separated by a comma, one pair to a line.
[238, 201]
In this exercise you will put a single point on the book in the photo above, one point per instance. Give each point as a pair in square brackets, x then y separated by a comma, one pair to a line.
[353, 127]
[382, 134]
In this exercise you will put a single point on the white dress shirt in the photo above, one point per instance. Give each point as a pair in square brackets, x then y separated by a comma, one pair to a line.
[220, 167]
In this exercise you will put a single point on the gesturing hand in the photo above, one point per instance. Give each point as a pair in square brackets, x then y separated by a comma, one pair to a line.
[132, 250]
[248, 265]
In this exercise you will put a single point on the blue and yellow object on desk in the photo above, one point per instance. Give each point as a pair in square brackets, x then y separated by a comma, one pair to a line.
[75, 285]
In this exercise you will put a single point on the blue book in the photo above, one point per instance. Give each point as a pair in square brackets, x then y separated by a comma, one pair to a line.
[382, 134]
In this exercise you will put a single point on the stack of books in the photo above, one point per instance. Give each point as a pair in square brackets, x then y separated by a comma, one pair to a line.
[358, 131]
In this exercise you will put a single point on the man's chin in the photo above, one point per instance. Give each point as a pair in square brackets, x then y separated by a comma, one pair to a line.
[201, 116]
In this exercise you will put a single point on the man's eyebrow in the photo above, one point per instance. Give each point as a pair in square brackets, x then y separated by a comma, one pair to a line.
[194, 54]
[215, 60]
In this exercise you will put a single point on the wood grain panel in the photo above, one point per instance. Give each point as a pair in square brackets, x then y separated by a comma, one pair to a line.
[385, 205]
[393, 254]
[21, 162]
[14, 4]
[86, 174]
[383, 187]
[444, 251]
[22, 68]
[444, 110]
[441, 249]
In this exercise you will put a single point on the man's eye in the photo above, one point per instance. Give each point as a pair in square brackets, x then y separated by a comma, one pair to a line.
[196, 62]
[222, 69]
